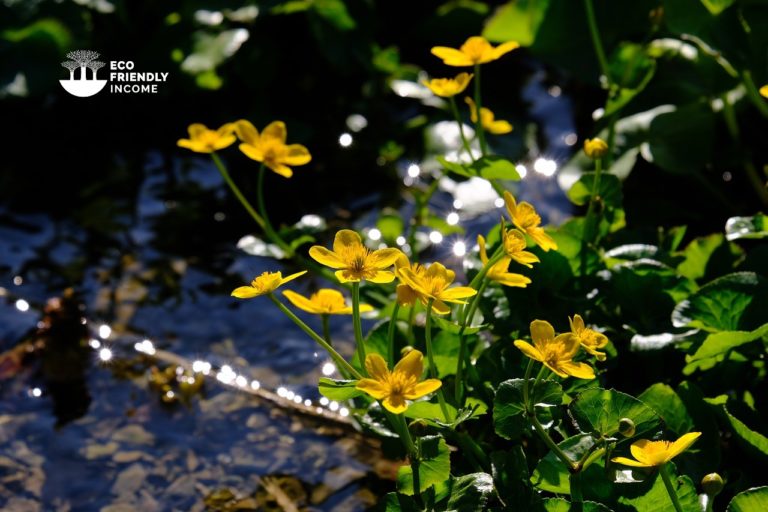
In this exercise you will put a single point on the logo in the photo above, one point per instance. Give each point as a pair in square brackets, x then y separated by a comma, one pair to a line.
[83, 81]
[82, 61]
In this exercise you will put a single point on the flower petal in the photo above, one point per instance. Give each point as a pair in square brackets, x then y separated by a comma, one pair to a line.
[529, 350]
[509, 201]
[441, 308]
[382, 277]
[376, 389]
[525, 258]
[275, 131]
[296, 154]
[505, 48]
[640, 451]
[302, 302]
[384, 258]
[246, 132]
[458, 292]
[281, 169]
[326, 257]
[376, 367]
[345, 276]
[541, 331]
[345, 238]
[395, 404]
[682, 444]
[195, 130]
[451, 56]
[512, 279]
[292, 277]
[543, 240]
[630, 462]
[423, 388]
[411, 364]
[246, 292]
[570, 344]
[193, 145]
[578, 370]
[577, 323]
[224, 141]
[252, 152]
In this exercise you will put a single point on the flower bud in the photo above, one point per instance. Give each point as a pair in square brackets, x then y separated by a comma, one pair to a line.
[626, 427]
[595, 148]
[406, 350]
[712, 484]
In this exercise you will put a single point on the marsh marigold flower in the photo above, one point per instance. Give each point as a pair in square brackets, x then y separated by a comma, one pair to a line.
[488, 119]
[325, 301]
[475, 50]
[595, 148]
[555, 352]
[590, 339]
[407, 296]
[649, 454]
[354, 261]
[266, 283]
[270, 148]
[448, 87]
[433, 284]
[515, 245]
[395, 387]
[526, 219]
[499, 272]
[764, 91]
[203, 140]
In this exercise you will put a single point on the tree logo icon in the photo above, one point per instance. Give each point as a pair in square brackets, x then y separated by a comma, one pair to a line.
[84, 86]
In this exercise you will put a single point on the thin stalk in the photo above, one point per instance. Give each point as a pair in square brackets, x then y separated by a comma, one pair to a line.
[268, 229]
[479, 105]
[235, 190]
[670, 488]
[413, 452]
[326, 329]
[337, 358]
[753, 93]
[357, 324]
[457, 117]
[430, 358]
[391, 336]
[495, 257]
[593, 196]
[596, 42]
[472, 306]
[577, 498]
[411, 316]
[526, 378]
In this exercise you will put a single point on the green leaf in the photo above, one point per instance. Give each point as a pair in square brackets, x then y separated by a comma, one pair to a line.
[303, 239]
[456, 168]
[663, 399]
[563, 505]
[496, 168]
[454, 328]
[631, 68]
[510, 472]
[656, 497]
[509, 418]
[441, 225]
[395, 502]
[433, 412]
[338, 389]
[733, 302]
[751, 500]
[756, 442]
[391, 226]
[715, 7]
[746, 227]
[48, 29]
[718, 344]
[376, 342]
[681, 141]
[434, 468]
[697, 255]
[518, 20]
[335, 12]
[599, 411]
[552, 475]
[470, 492]
[609, 190]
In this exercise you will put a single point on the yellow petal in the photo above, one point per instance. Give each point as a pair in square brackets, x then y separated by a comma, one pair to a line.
[458, 292]
[570, 343]
[498, 127]
[246, 132]
[511, 204]
[578, 370]
[395, 404]
[383, 258]
[423, 388]
[252, 152]
[225, 129]
[224, 141]
[764, 91]
[472, 108]
[577, 323]
[682, 444]
[556, 370]
[195, 130]
[529, 350]
[377, 367]
[541, 330]
[512, 279]
[296, 154]
[344, 276]
[410, 278]
[411, 364]
[640, 450]
[194, 146]
[373, 387]
[281, 169]
[481, 245]
[441, 308]
[246, 292]
[451, 56]
[543, 240]
[326, 257]
[345, 238]
[525, 258]
[275, 131]
[292, 277]
[629, 462]
[382, 277]
[402, 261]
[505, 48]
[364, 308]
[405, 295]
[302, 302]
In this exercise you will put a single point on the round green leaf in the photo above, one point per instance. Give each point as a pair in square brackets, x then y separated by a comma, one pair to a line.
[751, 500]
[599, 411]
[509, 410]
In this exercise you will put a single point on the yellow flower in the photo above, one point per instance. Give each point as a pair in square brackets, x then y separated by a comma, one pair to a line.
[655, 453]
[433, 284]
[325, 301]
[407, 296]
[203, 140]
[399, 385]
[354, 260]
[270, 147]
[475, 50]
[488, 119]
[266, 283]
[595, 148]
[764, 91]
[499, 271]
[524, 216]
[556, 353]
[590, 339]
[515, 245]
[448, 87]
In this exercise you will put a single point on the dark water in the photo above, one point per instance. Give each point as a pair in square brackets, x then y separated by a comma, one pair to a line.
[81, 431]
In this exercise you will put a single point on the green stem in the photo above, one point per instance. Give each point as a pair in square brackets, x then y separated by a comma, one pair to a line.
[472, 307]
[457, 117]
[411, 316]
[577, 499]
[495, 257]
[326, 329]
[432, 366]
[479, 105]
[337, 358]
[753, 93]
[391, 335]
[235, 190]
[596, 42]
[413, 452]
[268, 229]
[526, 378]
[670, 488]
[357, 324]
[593, 197]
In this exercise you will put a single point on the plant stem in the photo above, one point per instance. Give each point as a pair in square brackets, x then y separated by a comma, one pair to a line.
[753, 93]
[413, 452]
[357, 324]
[432, 366]
[391, 336]
[268, 229]
[577, 499]
[670, 488]
[235, 190]
[593, 198]
[526, 378]
[472, 306]
[596, 42]
[337, 358]
[479, 105]
[326, 329]
[457, 117]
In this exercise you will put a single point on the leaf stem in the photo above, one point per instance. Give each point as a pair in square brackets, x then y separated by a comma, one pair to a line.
[432, 366]
[670, 488]
[457, 117]
[479, 105]
[472, 306]
[235, 190]
[391, 335]
[357, 324]
[597, 43]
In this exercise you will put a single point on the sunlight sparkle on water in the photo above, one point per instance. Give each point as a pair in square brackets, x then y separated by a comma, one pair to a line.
[522, 171]
[545, 166]
[22, 305]
[105, 354]
[498, 202]
[459, 248]
[435, 237]
[400, 240]
[374, 234]
[345, 140]
[328, 369]
[94, 344]
[414, 170]
[104, 331]
[17, 280]
[452, 218]
[36, 392]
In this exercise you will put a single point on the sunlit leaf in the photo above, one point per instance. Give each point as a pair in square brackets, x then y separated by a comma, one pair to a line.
[599, 411]
[751, 500]
[518, 20]
[338, 389]
[509, 417]
[434, 467]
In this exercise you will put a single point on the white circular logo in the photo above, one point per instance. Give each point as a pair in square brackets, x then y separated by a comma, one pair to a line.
[83, 63]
